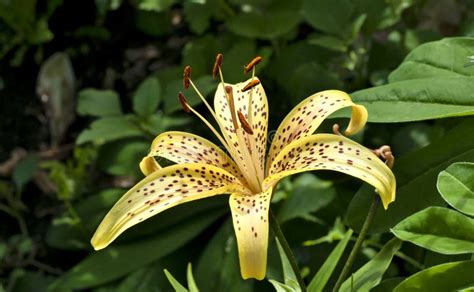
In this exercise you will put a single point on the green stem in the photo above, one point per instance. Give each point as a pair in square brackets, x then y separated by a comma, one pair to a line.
[286, 247]
[360, 239]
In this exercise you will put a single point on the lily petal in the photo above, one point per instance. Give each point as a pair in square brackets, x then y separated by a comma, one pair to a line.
[250, 218]
[333, 152]
[162, 190]
[148, 165]
[306, 117]
[182, 147]
[258, 119]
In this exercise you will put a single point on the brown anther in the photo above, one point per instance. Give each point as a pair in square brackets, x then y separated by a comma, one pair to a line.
[335, 130]
[217, 65]
[186, 77]
[251, 64]
[183, 102]
[243, 122]
[385, 152]
[252, 83]
[230, 95]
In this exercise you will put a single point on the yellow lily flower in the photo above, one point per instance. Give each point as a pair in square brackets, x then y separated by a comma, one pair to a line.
[249, 174]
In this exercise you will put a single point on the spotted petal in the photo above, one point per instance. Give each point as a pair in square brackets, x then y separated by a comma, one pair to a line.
[182, 147]
[258, 118]
[306, 117]
[250, 218]
[162, 190]
[333, 152]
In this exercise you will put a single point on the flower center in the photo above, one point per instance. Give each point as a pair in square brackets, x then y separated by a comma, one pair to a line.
[238, 140]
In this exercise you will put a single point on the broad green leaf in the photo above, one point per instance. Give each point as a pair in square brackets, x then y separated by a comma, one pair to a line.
[438, 229]
[443, 58]
[199, 15]
[387, 285]
[25, 170]
[108, 129]
[100, 103]
[321, 278]
[218, 266]
[121, 157]
[446, 277]
[200, 54]
[309, 195]
[456, 185]
[91, 211]
[155, 24]
[176, 285]
[190, 278]
[155, 5]
[370, 274]
[268, 25]
[416, 169]
[308, 78]
[118, 260]
[418, 99]
[147, 97]
[143, 279]
[321, 15]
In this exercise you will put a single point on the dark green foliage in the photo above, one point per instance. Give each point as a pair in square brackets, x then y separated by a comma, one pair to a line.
[409, 62]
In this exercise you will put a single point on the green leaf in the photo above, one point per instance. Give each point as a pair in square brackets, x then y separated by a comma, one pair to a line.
[387, 285]
[191, 282]
[108, 129]
[25, 170]
[438, 229]
[218, 266]
[446, 277]
[100, 103]
[147, 97]
[321, 15]
[456, 186]
[418, 168]
[280, 287]
[289, 276]
[116, 261]
[370, 274]
[176, 285]
[155, 5]
[264, 26]
[443, 58]
[309, 195]
[418, 99]
[321, 278]
[121, 157]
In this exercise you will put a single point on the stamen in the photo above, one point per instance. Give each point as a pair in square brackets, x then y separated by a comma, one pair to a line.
[217, 65]
[244, 123]
[251, 65]
[230, 95]
[386, 153]
[183, 102]
[252, 83]
[335, 130]
[186, 76]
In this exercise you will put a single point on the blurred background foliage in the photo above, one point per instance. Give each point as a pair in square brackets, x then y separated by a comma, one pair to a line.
[86, 85]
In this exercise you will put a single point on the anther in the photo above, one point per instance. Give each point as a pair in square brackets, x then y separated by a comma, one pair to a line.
[217, 65]
[243, 122]
[251, 64]
[186, 76]
[230, 94]
[335, 130]
[252, 83]
[183, 102]
[385, 152]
